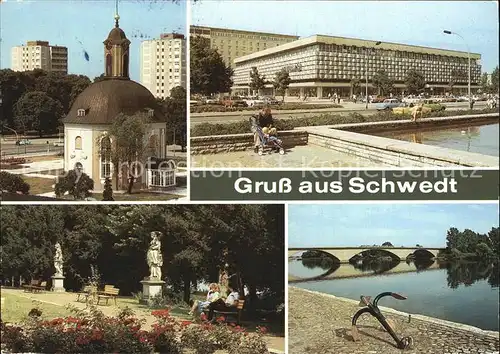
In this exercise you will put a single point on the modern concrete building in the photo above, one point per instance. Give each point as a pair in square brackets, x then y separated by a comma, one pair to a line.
[232, 43]
[163, 64]
[40, 55]
[322, 65]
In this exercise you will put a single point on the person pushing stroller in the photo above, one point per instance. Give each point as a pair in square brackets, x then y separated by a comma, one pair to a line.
[263, 119]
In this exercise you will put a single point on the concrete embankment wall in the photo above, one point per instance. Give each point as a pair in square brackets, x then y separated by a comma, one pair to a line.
[347, 138]
[436, 321]
[239, 142]
[353, 139]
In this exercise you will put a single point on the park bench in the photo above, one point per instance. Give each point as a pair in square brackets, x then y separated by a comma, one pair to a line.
[35, 286]
[27, 287]
[109, 292]
[86, 293]
[235, 311]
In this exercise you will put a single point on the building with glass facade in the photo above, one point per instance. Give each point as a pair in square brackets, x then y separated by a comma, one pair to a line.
[322, 65]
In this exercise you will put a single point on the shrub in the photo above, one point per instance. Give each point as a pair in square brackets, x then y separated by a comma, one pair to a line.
[13, 183]
[78, 184]
[208, 129]
[14, 160]
[281, 107]
[107, 193]
[94, 332]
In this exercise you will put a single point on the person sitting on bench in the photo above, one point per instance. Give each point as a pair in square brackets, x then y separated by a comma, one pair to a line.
[212, 295]
[221, 305]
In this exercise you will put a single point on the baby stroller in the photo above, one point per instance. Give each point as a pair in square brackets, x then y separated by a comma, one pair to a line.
[266, 140]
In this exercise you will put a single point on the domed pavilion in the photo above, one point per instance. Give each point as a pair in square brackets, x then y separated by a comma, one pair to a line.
[86, 144]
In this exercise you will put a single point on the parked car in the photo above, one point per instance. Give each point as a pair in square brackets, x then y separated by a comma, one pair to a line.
[212, 101]
[388, 104]
[23, 142]
[233, 102]
[254, 101]
[378, 99]
[270, 100]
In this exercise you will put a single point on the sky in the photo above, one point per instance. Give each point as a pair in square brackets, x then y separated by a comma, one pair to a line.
[408, 22]
[82, 25]
[337, 225]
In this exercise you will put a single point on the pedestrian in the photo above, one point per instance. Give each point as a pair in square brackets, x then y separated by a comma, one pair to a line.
[417, 109]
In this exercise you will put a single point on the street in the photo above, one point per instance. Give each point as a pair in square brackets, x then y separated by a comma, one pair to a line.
[348, 107]
[37, 146]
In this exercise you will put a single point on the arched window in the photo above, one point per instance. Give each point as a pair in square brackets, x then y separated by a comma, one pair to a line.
[105, 154]
[153, 145]
[151, 113]
[109, 66]
[81, 112]
[78, 143]
[125, 65]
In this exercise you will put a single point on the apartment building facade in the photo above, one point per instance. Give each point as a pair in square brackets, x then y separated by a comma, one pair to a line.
[163, 64]
[232, 44]
[323, 65]
[40, 55]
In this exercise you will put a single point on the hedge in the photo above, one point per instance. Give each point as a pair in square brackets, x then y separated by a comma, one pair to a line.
[281, 107]
[209, 129]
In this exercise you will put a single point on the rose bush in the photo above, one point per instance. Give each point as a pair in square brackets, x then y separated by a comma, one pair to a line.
[93, 332]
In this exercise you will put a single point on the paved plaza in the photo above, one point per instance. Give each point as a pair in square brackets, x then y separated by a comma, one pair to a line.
[309, 156]
[321, 324]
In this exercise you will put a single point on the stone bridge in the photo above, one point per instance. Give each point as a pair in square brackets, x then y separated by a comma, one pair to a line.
[344, 254]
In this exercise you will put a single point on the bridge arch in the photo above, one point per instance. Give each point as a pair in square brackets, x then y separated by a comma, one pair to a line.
[314, 259]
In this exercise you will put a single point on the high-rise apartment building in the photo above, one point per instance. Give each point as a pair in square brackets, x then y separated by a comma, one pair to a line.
[232, 44]
[40, 55]
[163, 64]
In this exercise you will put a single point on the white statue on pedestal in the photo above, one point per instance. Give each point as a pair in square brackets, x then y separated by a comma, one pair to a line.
[58, 260]
[154, 256]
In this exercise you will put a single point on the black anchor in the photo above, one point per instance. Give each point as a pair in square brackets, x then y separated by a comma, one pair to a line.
[372, 309]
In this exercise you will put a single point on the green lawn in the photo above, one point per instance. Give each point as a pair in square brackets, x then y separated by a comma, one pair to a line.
[16, 308]
[39, 185]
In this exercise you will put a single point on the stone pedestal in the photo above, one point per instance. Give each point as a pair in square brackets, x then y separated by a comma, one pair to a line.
[58, 283]
[151, 288]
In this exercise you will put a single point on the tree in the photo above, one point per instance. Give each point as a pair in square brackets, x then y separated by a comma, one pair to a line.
[414, 81]
[107, 193]
[281, 82]
[99, 78]
[76, 183]
[37, 111]
[456, 76]
[13, 183]
[418, 245]
[387, 244]
[174, 109]
[129, 145]
[485, 85]
[354, 85]
[257, 82]
[382, 82]
[494, 81]
[208, 72]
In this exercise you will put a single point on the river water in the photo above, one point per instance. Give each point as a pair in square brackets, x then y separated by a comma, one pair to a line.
[481, 139]
[463, 293]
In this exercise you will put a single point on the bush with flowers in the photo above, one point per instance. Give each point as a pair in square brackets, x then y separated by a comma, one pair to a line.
[93, 332]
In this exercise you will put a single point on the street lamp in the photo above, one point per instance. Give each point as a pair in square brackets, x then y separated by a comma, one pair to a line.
[468, 56]
[366, 75]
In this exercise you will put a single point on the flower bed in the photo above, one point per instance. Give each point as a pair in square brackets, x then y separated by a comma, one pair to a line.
[93, 332]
